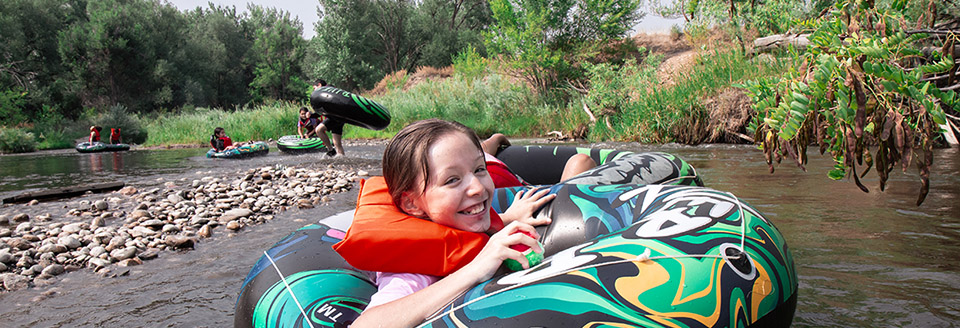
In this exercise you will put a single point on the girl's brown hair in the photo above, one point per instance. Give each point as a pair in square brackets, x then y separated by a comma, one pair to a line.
[405, 158]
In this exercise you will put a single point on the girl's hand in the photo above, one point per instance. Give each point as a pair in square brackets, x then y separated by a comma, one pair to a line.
[498, 249]
[525, 203]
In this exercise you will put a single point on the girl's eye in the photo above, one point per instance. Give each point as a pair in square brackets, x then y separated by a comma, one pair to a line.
[481, 169]
[450, 180]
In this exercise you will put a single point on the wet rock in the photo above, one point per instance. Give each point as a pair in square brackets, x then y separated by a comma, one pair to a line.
[31, 237]
[5, 233]
[169, 185]
[198, 220]
[130, 262]
[4, 220]
[33, 202]
[97, 263]
[141, 206]
[15, 282]
[96, 223]
[266, 176]
[123, 254]
[139, 214]
[3, 267]
[233, 225]
[128, 191]
[43, 217]
[205, 231]
[22, 217]
[101, 205]
[179, 242]
[304, 203]
[141, 231]
[235, 214]
[53, 270]
[149, 254]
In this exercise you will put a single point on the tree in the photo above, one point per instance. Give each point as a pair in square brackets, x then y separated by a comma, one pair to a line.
[863, 83]
[534, 34]
[276, 54]
[213, 58]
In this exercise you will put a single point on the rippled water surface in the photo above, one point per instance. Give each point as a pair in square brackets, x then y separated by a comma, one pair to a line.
[864, 259]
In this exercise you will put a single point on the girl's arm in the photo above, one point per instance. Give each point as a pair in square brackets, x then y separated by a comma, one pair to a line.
[524, 204]
[413, 309]
[300, 131]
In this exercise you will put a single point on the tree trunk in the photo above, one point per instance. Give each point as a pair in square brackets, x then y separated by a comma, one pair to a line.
[769, 43]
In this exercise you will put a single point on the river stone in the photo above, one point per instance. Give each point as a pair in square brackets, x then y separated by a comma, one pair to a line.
[174, 198]
[128, 191]
[149, 254]
[97, 263]
[198, 220]
[43, 217]
[53, 270]
[70, 242]
[5, 233]
[97, 251]
[15, 282]
[304, 203]
[140, 213]
[101, 205]
[3, 267]
[179, 242]
[22, 217]
[235, 214]
[233, 225]
[31, 237]
[140, 231]
[153, 224]
[19, 243]
[363, 173]
[170, 228]
[130, 262]
[72, 228]
[6, 257]
[4, 219]
[268, 192]
[123, 254]
[205, 231]
[96, 223]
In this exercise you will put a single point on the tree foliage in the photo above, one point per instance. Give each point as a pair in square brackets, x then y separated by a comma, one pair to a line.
[863, 93]
[535, 35]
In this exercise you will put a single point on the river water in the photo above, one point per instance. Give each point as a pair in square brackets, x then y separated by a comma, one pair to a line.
[863, 259]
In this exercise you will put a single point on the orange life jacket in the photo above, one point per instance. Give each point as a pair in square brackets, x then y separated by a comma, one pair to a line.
[383, 238]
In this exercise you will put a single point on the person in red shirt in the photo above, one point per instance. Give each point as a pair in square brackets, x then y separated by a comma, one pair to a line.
[219, 140]
[503, 177]
[115, 135]
[95, 133]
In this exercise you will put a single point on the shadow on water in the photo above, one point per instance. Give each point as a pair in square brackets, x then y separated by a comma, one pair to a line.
[863, 259]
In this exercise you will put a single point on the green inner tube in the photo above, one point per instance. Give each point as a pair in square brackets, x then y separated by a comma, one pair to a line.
[94, 147]
[297, 145]
[257, 148]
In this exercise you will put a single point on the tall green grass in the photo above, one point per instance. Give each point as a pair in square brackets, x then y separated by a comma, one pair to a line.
[195, 127]
[14, 140]
[489, 103]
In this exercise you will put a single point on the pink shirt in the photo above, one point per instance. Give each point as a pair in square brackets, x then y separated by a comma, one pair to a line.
[392, 286]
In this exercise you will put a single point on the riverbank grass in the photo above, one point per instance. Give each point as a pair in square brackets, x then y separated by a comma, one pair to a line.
[269, 121]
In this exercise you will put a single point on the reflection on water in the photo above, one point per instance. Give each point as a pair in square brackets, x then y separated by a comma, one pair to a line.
[864, 259]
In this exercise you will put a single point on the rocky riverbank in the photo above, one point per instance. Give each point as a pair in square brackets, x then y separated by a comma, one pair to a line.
[107, 233]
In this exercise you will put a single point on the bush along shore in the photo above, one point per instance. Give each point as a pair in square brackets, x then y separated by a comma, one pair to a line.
[131, 225]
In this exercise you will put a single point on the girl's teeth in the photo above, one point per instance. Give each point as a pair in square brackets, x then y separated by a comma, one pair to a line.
[474, 210]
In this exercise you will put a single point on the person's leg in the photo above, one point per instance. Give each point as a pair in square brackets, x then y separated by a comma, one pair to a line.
[337, 143]
[322, 134]
[577, 164]
[492, 144]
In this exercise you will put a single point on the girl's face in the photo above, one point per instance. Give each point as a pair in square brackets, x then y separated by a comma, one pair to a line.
[222, 133]
[459, 190]
[304, 115]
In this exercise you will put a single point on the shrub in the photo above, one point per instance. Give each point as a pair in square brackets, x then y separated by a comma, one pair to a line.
[131, 130]
[16, 141]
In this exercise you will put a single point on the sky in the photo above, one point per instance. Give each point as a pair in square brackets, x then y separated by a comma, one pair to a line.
[306, 12]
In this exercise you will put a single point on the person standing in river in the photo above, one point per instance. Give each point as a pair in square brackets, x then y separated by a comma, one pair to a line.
[331, 124]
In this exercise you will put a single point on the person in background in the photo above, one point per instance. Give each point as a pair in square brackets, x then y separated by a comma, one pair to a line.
[115, 135]
[503, 177]
[308, 124]
[95, 134]
[219, 140]
[334, 126]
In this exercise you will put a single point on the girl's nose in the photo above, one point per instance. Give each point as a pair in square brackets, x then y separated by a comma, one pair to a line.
[475, 187]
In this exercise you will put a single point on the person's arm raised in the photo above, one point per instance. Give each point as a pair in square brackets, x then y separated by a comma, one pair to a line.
[413, 309]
